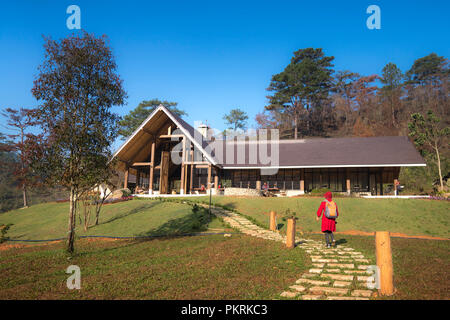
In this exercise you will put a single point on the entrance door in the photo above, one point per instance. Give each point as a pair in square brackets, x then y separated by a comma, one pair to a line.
[164, 173]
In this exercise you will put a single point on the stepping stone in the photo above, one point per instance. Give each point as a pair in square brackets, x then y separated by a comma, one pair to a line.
[355, 252]
[355, 272]
[362, 293]
[334, 270]
[341, 284]
[318, 265]
[362, 278]
[348, 249]
[337, 276]
[298, 288]
[362, 260]
[345, 298]
[363, 267]
[313, 282]
[288, 294]
[342, 265]
[324, 260]
[309, 275]
[328, 290]
[315, 270]
[311, 297]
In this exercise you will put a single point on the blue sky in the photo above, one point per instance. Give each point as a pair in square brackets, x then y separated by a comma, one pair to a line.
[212, 56]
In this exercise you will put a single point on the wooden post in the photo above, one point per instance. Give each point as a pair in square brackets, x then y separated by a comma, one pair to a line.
[182, 168]
[258, 185]
[216, 182]
[290, 233]
[396, 187]
[302, 180]
[191, 179]
[152, 165]
[125, 182]
[209, 177]
[273, 226]
[384, 262]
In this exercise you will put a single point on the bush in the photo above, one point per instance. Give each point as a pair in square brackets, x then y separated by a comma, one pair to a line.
[3, 230]
[320, 191]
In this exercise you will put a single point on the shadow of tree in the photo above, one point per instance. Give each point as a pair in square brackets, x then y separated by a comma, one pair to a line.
[130, 212]
[196, 221]
[341, 241]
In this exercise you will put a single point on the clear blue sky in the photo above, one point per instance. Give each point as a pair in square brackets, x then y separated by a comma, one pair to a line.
[212, 56]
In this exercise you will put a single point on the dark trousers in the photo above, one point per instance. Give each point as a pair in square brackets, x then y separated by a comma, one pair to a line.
[329, 238]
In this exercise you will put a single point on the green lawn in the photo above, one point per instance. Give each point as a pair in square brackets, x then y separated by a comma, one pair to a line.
[198, 267]
[212, 267]
[408, 216]
[130, 218]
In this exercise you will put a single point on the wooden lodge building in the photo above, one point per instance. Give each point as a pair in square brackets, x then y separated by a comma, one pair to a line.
[360, 165]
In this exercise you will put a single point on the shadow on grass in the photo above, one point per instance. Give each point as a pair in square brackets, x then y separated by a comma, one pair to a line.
[129, 213]
[341, 241]
[196, 221]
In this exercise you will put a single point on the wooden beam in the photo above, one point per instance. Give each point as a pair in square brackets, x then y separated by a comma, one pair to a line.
[137, 164]
[169, 136]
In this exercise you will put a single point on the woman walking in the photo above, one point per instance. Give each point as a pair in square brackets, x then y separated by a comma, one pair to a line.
[330, 213]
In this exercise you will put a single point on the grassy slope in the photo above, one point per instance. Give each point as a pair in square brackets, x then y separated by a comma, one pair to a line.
[202, 267]
[409, 216]
[131, 218]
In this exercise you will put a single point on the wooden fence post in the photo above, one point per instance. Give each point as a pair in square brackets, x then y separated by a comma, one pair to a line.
[384, 262]
[273, 226]
[290, 233]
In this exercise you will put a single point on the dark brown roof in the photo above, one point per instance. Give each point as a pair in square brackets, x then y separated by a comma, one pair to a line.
[333, 152]
[314, 152]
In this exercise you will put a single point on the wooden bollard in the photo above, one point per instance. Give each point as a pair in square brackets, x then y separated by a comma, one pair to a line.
[290, 233]
[273, 226]
[384, 262]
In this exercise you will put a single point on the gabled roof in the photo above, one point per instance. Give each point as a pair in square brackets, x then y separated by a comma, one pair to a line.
[193, 135]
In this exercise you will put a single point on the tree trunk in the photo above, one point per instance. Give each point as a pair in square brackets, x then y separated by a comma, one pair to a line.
[295, 127]
[439, 168]
[71, 236]
[24, 191]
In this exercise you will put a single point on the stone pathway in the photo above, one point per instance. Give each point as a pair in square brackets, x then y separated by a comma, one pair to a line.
[339, 273]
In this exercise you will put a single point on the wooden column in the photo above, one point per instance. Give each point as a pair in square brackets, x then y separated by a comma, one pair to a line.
[182, 168]
[302, 180]
[258, 185]
[347, 181]
[290, 233]
[152, 165]
[125, 182]
[384, 262]
[192, 171]
[216, 182]
[209, 177]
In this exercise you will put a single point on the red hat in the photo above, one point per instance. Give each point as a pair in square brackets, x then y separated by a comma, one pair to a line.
[328, 195]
